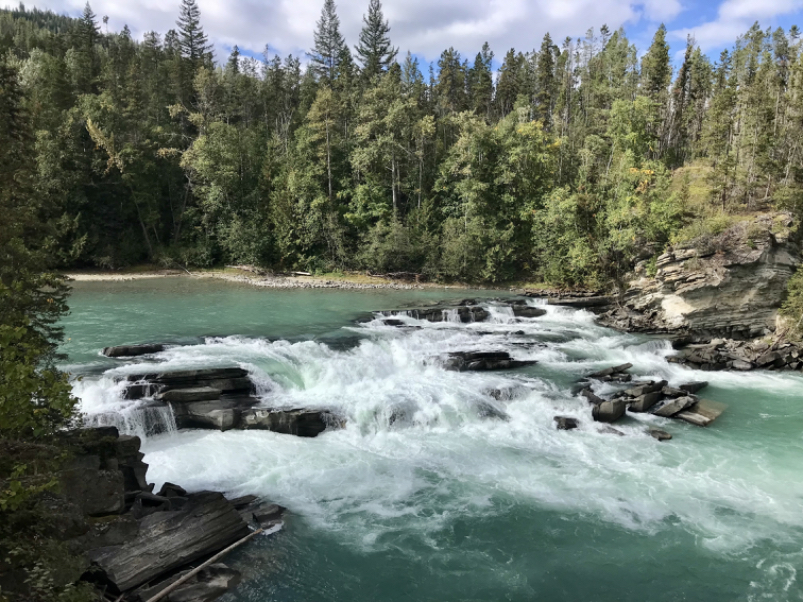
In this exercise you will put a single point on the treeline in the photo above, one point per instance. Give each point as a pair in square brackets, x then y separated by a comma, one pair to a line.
[566, 165]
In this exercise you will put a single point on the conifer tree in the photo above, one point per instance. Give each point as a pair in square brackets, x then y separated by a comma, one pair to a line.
[481, 84]
[327, 52]
[375, 51]
[545, 81]
[193, 42]
[656, 72]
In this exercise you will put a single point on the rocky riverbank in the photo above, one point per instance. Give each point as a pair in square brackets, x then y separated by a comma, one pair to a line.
[128, 541]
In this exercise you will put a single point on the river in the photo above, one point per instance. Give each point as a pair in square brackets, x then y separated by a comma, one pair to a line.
[423, 497]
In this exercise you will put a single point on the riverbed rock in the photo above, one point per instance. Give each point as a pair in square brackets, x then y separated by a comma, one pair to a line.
[675, 406]
[474, 361]
[96, 491]
[609, 411]
[645, 402]
[590, 396]
[566, 423]
[644, 389]
[189, 395]
[169, 540]
[660, 435]
[132, 350]
[703, 413]
[464, 314]
[611, 371]
[299, 422]
[693, 387]
[528, 312]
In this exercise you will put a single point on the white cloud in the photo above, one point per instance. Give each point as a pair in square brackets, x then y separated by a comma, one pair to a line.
[734, 17]
[426, 27]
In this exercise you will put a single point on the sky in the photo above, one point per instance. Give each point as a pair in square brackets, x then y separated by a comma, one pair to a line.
[427, 27]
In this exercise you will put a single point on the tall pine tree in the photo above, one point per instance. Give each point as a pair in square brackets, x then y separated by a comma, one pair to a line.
[375, 51]
[329, 44]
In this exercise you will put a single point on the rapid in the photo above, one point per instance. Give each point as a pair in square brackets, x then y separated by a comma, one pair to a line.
[426, 493]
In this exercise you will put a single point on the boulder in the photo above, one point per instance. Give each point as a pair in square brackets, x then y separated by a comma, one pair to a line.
[693, 387]
[483, 361]
[132, 350]
[650, 387]
[645, 402]
[675, 406]
[170, 540]
[609, 430]
[169, 490]
[566, 423]
[189, 395]
[220, 414]
[609, 411]
[590, 396]
[303, 423]
[660, 435]
[611, 371]
[528, 312]
[489, 410]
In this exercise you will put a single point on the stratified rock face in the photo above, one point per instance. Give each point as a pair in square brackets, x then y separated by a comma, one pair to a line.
[729, 286]
[169, 540]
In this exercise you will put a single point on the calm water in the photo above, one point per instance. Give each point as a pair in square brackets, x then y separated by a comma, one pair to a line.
[420, 497]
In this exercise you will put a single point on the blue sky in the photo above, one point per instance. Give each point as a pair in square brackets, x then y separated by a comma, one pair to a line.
[426, 27]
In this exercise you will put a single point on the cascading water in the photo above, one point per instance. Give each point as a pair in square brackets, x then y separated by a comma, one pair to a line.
[427, 478]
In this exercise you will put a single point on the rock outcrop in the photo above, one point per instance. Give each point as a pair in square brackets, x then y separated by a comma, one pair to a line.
[132, 350]
[475, 361]
[729, 286]
[122, 536]
[722, 354]
[221, 399]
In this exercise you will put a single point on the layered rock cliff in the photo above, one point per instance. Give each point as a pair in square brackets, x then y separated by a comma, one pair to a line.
[726, 286]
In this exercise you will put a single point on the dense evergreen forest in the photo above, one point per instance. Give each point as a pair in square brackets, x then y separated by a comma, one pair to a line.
[567, 164]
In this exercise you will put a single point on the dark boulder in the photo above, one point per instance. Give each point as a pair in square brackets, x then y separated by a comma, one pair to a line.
[660, 435]
[132, 350]
[693, 387]
[528, 312]
[590, 396]
[483, 361]
[611, 371]
[566, 423]
[169, 490]
[170, 540]
[96, 491]
[302, 423]
[609, 411]
[645, 402]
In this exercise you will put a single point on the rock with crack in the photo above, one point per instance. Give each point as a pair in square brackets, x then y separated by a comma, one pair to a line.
[169, 540]
[702, 414]
[645, 402]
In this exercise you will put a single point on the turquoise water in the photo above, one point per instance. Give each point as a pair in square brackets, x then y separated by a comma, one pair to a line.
[420, 497]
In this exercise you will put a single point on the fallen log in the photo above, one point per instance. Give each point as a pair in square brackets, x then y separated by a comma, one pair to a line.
[199, 568]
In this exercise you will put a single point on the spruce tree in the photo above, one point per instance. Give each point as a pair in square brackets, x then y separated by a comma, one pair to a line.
[329, 44]
[375, 51]
[481, 83]
[192, 40]
[545, 81]
[656, 72]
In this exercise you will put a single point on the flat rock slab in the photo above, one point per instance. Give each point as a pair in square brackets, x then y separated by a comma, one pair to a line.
[190, 395]
[478, 361]
[704, 413]
[528, 312]
[169, 540]
[302, 423]
[132, 350]
[609, 411]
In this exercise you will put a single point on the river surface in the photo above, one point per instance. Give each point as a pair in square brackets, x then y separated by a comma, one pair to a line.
[421, 496]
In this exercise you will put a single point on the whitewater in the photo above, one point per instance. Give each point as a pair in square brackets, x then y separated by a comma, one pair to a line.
[426, 493]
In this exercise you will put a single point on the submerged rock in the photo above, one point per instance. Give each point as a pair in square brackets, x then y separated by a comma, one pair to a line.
[483, 361]
[613, 370]
[132, 350]
[702, 414]
[302, 423]
[660, 435]
[528, 312]
[566, 423]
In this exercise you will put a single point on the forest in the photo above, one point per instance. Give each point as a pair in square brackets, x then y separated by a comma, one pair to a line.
[565, 165]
